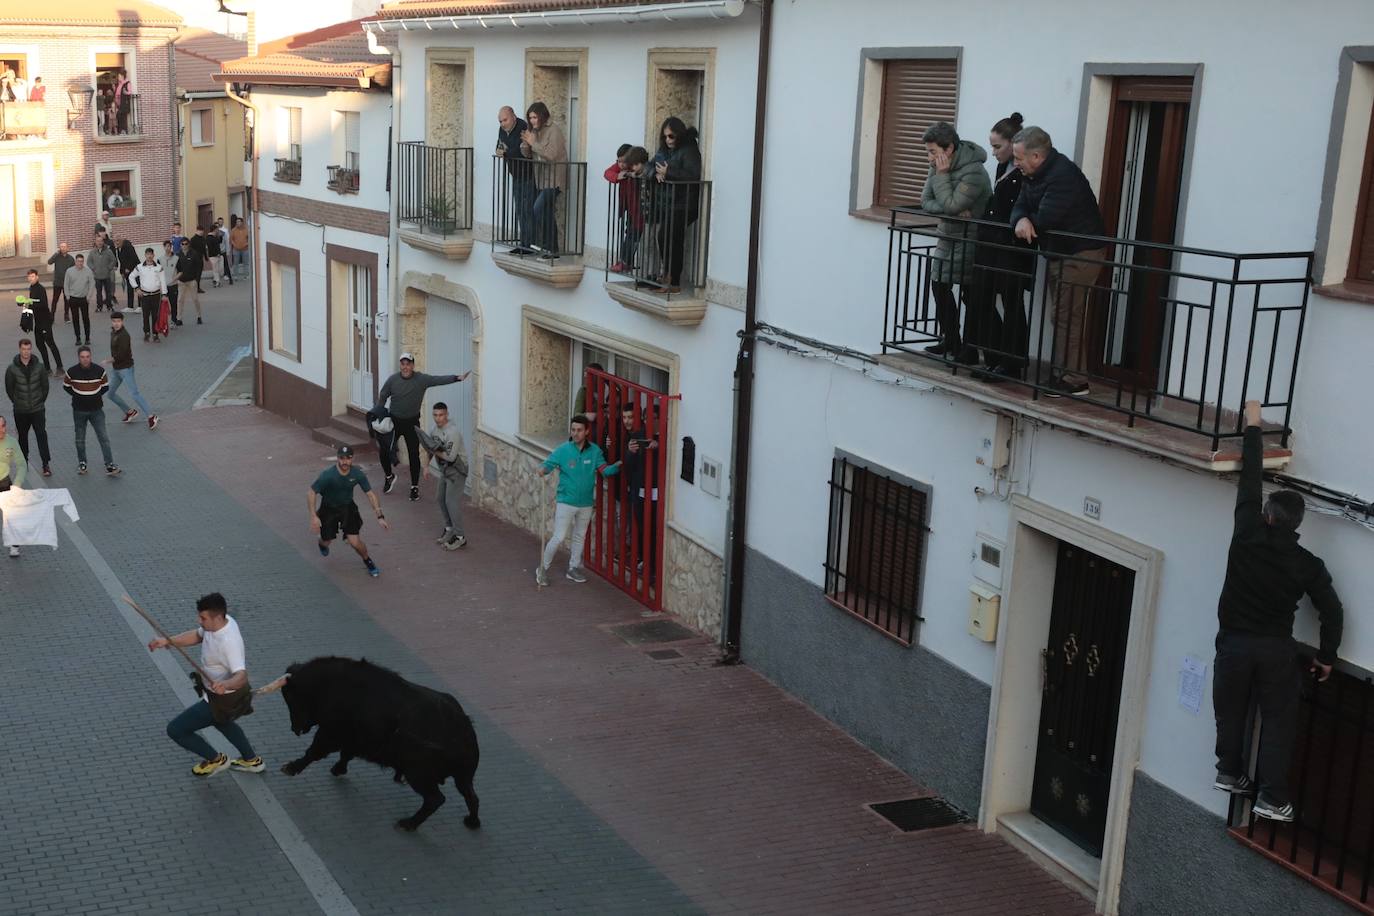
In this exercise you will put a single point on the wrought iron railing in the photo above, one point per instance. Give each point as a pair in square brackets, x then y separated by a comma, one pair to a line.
[22, 120]
[119, 119]
[657, 234]
[1176, 335]
[288, 170]
[343, 179]
[539, 208]
[434, 187]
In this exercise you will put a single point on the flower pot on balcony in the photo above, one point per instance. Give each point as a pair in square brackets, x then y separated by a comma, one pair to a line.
[127, 210]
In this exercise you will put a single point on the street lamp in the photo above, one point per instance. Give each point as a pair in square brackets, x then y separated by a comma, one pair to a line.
[78, 100]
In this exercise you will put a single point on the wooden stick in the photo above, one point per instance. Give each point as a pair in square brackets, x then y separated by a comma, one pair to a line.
[163, 633]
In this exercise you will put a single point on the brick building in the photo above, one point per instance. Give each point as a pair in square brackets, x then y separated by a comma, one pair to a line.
[62, 157]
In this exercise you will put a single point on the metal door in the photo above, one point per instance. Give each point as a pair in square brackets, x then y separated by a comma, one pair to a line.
[9, 226]
[1081, 671]
[448, 350]
[361, 349]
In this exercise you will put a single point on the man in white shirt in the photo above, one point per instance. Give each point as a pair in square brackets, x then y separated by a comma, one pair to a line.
[151, 284]
[222, 657]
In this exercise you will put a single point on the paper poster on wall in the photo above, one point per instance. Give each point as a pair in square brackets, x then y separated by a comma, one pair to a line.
[1192, 680]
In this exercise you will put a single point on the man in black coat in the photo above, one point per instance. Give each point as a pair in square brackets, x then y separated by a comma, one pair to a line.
[639, 452]
[521, 170]
[26, 385]
[42, 324]
[1267, 572]
[1056, 197]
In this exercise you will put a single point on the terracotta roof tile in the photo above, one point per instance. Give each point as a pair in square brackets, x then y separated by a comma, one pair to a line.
[200, 55]
[88, 12]
[338, 53]
[419, 9]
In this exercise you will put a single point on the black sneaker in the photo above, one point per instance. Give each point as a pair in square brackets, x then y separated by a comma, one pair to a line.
[389, 484]
[1236, 785]
[200, 321]
[1271, 810]
[414, 494]
[112, 470]
[81, 468]
[1058, 388]
[938, 349]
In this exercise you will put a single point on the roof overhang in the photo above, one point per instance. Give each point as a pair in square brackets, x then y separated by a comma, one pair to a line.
[289, 79]
[618, 15]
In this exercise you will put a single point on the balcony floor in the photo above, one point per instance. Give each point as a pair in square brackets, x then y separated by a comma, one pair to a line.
[1096, 419]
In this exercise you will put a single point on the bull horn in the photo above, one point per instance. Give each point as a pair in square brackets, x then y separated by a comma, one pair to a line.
[273, 687]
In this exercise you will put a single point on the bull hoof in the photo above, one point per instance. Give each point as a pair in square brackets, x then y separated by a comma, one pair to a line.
[407, 824]
[339, 769]
[291, 768]
[472, 822]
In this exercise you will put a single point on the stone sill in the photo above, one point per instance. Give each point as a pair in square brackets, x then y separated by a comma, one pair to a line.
[1351, 291]
[682, 309]
[1086, 418]
[563, 273]
[125, 138]
[453, 247]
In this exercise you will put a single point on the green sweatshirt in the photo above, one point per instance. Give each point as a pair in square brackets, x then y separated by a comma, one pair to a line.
[12, 463]
[577, 472]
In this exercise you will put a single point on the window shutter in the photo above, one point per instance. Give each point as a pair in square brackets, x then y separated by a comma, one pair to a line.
[1362, 248]
[352, 141]
[916, 94]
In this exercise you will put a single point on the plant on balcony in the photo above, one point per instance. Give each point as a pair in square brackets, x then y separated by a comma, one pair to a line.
[128, 208]
[439, 213]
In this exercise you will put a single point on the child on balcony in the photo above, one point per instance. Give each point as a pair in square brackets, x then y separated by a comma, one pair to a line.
[626, 173]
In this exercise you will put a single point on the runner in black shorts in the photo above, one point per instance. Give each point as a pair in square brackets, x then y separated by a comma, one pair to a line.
[334, 489]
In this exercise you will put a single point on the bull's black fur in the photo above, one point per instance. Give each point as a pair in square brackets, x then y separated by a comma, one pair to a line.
[363, 710]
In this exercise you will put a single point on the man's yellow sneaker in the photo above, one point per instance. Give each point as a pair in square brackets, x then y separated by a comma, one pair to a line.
[212, 766]
[248, 764]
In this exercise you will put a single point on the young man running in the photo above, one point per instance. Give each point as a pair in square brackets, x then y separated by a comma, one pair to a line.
[334, 490]
[121, 359]
[222, 657]
[578, 462]
[406, 390]
[448, 458]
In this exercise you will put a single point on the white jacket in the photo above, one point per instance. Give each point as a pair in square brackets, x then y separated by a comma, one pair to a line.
[149, 279]
[28, 516]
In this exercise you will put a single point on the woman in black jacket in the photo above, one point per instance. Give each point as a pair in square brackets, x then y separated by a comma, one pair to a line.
[1000, 270]
[128, 263]
[677, 199]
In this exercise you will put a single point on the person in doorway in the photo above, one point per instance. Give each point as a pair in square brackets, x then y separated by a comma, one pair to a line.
[337, 510]
[511, 150]
[87, 383]
[170, 279]
[677, 173]
[123, 102]
[544, 142]
[14, 467]
[78, 284]
[104, 264]
[1267, 572]
[122, 361]
[406, 390]
[26, 385]
[61, 262]
[639, 451]
[958, 186]
[188, 267]
[42, 325]
[223, 658]
[238, 243]
[151, 283]
[1056, 196]
[577, 461]
[448, 458]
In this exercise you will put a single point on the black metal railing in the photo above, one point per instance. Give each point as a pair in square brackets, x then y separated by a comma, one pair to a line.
[539, 207]
[1331, 839]
[657, 234]
[434, 187]
[23, 119]
[343, 179]
[289, 170]
[118, 119]
[1176, 335]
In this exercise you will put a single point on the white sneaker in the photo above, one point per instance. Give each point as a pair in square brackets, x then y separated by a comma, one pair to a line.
[14, 551]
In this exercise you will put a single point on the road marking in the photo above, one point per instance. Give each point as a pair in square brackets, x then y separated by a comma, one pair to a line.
[314, 873]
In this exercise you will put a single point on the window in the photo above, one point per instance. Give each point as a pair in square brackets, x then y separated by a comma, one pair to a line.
[632, 370]
[875, 546]
[19, 63]
[289, 133]
[202, 127]
[448, 97]
[283, 300]
[681, 85]
[1361, 268]
[118, 189]
[108, 66]
[352, 140]
[1344, 264]
[554, 76]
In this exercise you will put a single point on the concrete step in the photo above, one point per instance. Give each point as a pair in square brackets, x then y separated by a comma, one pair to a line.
[343, 429]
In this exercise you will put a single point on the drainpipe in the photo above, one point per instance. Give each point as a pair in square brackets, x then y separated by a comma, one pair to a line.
[393, 248]
[744, 362]
[176, 120]
[259, 252]
[180, 111]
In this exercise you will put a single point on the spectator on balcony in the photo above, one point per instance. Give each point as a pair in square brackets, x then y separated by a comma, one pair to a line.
[1267, 573]
[114, 200]
[128, 263]
[7, 84]
[1000, 271]
[20, 87]
[108, 110]
[543, 141]
[626, 174]
[61, 262]
[957, 186]
[677, 198]
[1056, 197]
[38, 92]
[104, 264]
[510, 148]
[123, 102]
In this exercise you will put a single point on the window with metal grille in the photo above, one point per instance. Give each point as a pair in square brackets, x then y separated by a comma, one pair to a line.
[876, 545]
[1331, 840]
[916, 94]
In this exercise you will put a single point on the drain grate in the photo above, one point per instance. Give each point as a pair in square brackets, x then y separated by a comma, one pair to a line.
[661, 654]
[651, 631]
[921, 813]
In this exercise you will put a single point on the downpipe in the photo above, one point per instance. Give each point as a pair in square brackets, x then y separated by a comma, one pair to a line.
[259, 250]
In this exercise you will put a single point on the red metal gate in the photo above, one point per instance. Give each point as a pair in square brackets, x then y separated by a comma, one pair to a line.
[625, 544]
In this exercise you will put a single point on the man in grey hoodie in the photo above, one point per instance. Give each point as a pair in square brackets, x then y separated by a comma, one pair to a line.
[406, 390]
[104, 264]
[77, 286]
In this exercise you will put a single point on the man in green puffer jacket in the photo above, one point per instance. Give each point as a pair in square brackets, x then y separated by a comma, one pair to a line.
[958, 185]
[26, 384]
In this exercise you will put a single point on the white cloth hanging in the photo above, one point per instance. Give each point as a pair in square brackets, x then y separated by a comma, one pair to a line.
[28, 516]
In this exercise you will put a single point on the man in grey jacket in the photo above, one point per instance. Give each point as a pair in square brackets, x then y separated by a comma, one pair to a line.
[448, 458]
[77, 286]
[104, 264]
[406, 391]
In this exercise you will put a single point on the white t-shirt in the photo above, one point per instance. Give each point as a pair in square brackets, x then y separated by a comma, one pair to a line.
[221, 652]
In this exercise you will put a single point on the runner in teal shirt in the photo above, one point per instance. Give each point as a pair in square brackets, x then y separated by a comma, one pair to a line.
[578, 462]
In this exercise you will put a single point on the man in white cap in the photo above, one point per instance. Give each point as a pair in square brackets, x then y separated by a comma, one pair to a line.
[406, 391]
[334, 490]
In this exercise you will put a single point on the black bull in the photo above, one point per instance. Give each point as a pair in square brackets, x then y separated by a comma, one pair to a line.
[364, 710]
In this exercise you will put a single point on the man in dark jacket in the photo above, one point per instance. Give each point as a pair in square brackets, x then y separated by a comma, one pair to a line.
[87, 382]
[521, 170]
[128, 263]
[61, 261]
[26, 384]
[406, 390]
[121, 360]
[639, 451]
[1266, 575]
[1056, 197]
[189, 266]
[42, 324]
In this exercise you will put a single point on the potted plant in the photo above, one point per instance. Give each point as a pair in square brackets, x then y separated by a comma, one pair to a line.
[439, 213]
[128, 208]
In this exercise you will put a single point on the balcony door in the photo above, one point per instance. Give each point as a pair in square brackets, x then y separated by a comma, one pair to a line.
[362, 346]
[1142, 176]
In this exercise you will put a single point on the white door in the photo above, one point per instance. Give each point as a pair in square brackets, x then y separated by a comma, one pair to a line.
[9, 226]
[360, 328]
[448, 349]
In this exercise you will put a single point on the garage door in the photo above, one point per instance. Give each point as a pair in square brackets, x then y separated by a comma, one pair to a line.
[448, 349]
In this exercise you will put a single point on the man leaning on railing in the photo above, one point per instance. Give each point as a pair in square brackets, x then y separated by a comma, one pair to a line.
[1267, 572]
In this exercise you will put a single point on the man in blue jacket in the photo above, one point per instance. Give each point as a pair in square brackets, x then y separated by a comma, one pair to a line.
[577, 461]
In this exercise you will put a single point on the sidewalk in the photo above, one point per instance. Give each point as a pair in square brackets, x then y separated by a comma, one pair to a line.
[744, 799]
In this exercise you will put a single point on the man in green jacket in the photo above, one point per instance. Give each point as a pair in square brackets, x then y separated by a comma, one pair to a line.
[577, 461]
[26, 385]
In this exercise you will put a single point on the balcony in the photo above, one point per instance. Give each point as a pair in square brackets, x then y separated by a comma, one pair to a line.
[656, 247]
[118, 123]
[539, 212]
[342, 180]
[434, 198]
[288, 170]
[23, 121]
[1169, 341]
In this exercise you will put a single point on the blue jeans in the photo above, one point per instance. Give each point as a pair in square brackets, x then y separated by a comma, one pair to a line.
[126, 377]
[97, 420]
[183, 730]
[523, 191]
[546, 219]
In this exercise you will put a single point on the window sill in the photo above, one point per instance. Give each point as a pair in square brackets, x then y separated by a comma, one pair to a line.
[870, 624]
[685, 309]
[1350, 290]
[294, 357]
[202, 145]
[122, 138]
[539, 443]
